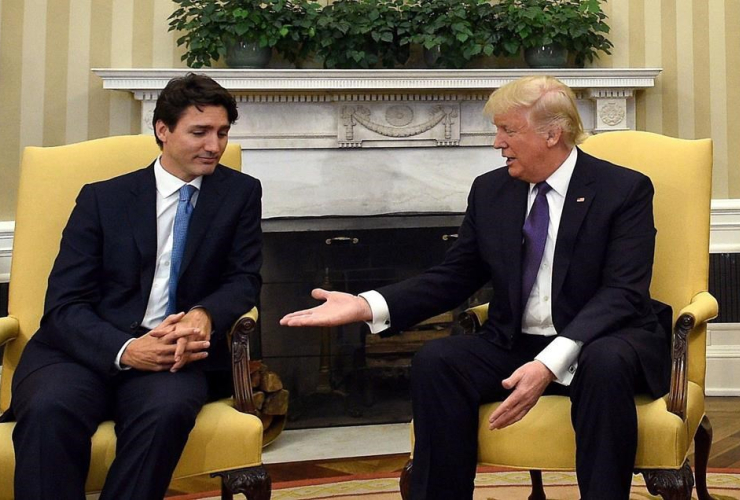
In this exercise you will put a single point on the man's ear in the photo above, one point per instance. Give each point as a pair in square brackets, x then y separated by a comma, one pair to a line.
[553, 136]
[161, 129]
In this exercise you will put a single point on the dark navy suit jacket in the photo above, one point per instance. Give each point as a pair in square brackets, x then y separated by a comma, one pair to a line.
[100, 283]
[601, 271]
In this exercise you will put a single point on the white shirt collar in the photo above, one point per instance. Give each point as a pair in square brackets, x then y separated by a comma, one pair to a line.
[168, 184]
[560, 178]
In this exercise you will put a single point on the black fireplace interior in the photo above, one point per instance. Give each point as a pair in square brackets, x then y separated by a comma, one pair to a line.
[337, 376]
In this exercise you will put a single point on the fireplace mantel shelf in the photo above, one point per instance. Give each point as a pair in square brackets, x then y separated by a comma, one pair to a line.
[370, 142]
[142, 81]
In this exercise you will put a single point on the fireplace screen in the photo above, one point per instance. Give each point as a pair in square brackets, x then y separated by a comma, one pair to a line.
[344, 375]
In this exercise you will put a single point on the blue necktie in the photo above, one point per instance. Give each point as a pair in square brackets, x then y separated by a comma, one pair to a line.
[179, 237]
[535, 236]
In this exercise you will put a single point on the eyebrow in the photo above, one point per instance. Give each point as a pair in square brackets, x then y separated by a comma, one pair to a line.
[224, 127]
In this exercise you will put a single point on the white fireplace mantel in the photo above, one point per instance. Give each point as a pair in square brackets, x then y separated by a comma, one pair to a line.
[368, 142]
[383, 108]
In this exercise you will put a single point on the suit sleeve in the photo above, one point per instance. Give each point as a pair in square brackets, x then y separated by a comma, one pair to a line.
[240, 281]
[442, 287]
[623, 297]
[70, 317]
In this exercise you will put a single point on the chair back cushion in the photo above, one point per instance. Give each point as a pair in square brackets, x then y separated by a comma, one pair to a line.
[681, 171]
[51, 179]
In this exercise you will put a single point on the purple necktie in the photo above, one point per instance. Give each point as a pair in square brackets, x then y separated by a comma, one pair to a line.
[535, 236]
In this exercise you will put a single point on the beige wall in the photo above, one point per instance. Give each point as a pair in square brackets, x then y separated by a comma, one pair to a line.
[48, 96]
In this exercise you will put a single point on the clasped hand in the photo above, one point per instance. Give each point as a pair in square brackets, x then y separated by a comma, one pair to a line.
[180, 339]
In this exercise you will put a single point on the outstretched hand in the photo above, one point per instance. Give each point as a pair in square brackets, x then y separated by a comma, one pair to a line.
[529, 381]
[339, 308]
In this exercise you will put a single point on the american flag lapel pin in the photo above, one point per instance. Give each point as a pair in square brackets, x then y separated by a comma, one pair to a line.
[580, 200]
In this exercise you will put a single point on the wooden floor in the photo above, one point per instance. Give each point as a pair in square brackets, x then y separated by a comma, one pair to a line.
[724, 414]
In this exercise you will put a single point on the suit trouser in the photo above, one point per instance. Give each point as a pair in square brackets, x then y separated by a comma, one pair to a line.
[453, 376]
[58, 408]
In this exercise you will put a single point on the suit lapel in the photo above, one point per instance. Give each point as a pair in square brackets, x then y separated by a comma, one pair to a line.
[577, 203]
[513, 199]
[142, 214]
[211, 195]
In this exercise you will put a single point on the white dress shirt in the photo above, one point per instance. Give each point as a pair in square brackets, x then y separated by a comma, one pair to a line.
[561, 355]
[168, 188]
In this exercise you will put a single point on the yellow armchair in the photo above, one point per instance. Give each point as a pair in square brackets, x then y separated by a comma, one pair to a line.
[681, 171]
[227, 438]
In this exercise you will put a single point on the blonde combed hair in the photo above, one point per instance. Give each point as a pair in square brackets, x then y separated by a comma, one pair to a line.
[550, 103]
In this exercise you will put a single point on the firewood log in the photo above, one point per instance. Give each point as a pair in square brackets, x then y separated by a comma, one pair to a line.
[276, 403]
[271, 382]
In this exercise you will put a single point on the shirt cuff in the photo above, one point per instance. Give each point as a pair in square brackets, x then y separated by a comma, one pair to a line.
[561, 358]
[118, 364]
[379, 307]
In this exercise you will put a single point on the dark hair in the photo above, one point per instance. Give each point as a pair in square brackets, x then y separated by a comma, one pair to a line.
[190, 90]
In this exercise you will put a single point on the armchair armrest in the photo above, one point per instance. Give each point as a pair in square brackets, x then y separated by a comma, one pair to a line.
[703, 307]
[9, 329]
[239, 342]
[471, 320]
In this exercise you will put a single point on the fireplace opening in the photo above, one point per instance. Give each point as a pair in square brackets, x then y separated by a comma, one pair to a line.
[344, 375]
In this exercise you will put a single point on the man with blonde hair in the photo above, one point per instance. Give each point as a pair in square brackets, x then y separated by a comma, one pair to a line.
[567, 242]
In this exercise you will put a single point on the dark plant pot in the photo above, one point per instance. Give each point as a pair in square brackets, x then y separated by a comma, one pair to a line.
[546, 56]
[431, 56]
[242, 54]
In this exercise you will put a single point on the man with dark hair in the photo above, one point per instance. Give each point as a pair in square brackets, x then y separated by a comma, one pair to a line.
[192, 90]
[566, 241]
[153, 269]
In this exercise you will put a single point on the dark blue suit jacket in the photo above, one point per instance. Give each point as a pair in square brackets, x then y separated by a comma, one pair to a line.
[100, 283]
[601, 270]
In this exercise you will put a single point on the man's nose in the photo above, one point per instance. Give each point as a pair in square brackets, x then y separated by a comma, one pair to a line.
[212, 142]
[498, 143]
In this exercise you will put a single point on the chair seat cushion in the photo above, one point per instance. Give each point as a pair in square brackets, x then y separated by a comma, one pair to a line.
[222, 439]
[544, 438]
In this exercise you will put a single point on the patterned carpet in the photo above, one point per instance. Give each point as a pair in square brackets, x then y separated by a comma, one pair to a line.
[489, 486]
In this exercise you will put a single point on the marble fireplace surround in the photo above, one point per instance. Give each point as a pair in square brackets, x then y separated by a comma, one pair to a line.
[374, 142]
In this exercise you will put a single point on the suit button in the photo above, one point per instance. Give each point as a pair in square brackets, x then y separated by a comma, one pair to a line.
[134, 325]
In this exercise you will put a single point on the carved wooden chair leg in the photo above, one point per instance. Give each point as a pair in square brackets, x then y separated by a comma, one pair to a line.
[253, 482]
[702, 444]
[538, 489]
[225, 493]
[405, 483]
[670, 484]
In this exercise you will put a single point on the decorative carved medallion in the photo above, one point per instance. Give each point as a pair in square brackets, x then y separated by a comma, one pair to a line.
[399, 116]
[612, 113]
[147, 121]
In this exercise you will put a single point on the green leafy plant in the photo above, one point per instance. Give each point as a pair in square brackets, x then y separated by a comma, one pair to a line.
[459, 30]
[298, 44]
[207, 25]
[578, 25]
[363, 34]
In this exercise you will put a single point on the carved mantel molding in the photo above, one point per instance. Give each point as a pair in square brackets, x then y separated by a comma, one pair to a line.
[317, 109]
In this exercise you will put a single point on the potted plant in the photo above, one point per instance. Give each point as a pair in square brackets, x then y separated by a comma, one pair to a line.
[362, 34]
[219, 28]
[553, 26]
[300, 40]
[453, 32]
